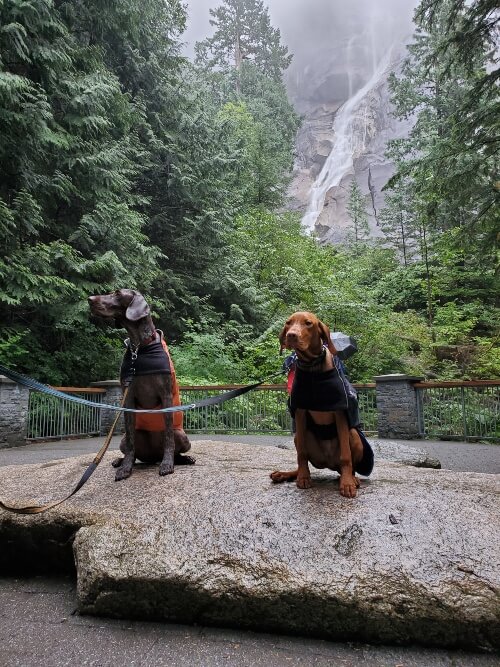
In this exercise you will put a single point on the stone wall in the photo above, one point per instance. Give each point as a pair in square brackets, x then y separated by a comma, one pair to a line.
[113, 396]
[397, 409]
[14, 400]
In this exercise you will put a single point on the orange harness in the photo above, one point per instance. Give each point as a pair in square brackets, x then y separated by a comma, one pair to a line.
[156, 423]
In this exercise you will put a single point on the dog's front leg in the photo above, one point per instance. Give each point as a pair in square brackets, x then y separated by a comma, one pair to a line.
[348, 483]
[127, 446]
[303, 473]
[167, 464]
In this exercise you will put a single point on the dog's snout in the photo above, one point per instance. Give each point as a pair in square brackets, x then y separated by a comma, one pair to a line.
[291, 335]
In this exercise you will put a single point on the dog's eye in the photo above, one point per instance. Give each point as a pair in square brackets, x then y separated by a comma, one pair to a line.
[308, 323]
[288, 323]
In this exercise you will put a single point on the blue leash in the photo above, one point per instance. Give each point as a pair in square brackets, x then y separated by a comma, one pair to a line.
[38, 386]
[213, 400]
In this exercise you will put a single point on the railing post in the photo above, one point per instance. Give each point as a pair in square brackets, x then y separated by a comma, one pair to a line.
[113, 396]
[397, 406]
[419, 397]
[464, 412]
[14, 400]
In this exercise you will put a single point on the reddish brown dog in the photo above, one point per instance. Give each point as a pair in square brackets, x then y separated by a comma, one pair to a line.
[307, 335]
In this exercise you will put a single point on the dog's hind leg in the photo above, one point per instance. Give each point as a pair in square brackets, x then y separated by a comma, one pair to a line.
[302, 474]
[279, 476]
[182, 445]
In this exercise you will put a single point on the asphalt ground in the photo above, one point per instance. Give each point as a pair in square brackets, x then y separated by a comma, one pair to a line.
[40, 626]
[460, 456]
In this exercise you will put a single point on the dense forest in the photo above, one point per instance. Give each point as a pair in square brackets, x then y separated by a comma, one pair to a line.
[123, 164]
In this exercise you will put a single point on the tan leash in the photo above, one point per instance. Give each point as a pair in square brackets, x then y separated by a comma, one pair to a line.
[38, 509]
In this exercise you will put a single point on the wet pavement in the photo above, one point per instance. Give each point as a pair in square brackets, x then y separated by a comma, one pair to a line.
[459, 456]
[40, 626]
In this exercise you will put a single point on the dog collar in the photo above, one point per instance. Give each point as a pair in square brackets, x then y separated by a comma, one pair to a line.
[147, 341]
[309, 365]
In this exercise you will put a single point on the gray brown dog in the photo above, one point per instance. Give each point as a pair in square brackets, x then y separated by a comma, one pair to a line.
[319, 402]
[148, 372]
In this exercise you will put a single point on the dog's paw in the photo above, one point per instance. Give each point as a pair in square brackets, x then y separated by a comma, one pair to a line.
[116, 463]
[348, 486]
[184, 460]
[304, 482]
[166, 468]
[122, 473]
[278, 476]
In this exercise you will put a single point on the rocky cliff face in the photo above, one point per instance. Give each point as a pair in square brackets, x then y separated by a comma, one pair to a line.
[344, 98]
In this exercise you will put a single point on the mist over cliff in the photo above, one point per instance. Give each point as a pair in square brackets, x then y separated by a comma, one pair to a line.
[343, 53]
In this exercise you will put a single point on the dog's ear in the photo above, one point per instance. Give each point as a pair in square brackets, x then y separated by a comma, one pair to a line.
[137, 308]
[282, 339]
[324, 332]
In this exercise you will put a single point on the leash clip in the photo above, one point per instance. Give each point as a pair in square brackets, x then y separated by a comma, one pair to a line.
[134, 352]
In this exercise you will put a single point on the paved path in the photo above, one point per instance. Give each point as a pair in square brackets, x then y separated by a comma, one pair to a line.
[461, 456]
[39, 626]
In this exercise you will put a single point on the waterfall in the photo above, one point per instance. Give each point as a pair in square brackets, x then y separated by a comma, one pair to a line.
[346, 142]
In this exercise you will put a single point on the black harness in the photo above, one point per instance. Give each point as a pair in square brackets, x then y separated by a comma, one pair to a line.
[326, 391]
[150, 359]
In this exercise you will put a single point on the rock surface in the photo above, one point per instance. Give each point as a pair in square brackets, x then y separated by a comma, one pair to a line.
[415, 558]
[397, 453]
[390, 450]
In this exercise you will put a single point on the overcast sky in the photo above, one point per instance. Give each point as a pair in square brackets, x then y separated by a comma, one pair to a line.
[306, 23]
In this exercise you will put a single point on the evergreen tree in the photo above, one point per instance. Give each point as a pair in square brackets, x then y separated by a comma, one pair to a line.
[277, 123]
[266, 152]
[454, 174]
[398, 221]
[243, 33]
[356, 207]
[451, 168]
[68, 159]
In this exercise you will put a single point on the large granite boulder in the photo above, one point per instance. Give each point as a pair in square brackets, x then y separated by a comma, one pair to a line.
[414, 558]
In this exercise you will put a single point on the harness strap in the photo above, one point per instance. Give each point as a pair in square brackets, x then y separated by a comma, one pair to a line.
[38, 509]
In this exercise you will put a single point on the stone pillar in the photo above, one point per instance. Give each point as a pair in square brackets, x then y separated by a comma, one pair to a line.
[397, 409]
[14, 399]
[113, 396]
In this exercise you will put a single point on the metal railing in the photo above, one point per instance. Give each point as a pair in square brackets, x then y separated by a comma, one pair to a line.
[459, 410]
[454, 410]
[52, 418]
[261, 411]
[367, 400]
